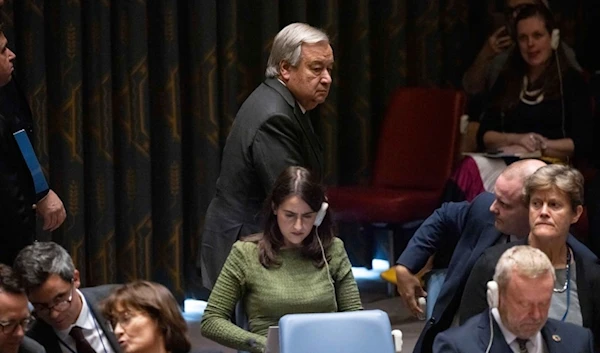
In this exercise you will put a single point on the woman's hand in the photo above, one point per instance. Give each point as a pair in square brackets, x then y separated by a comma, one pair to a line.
[532, 141]
[499, 41]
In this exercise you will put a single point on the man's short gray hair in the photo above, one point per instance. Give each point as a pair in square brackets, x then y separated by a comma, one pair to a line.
[38, 261]
[526, 261]
[287, 45]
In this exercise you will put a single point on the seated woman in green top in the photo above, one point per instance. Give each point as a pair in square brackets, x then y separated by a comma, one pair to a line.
[283, 270]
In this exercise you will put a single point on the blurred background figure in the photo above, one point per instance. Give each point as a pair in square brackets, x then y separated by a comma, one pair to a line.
[540, 105]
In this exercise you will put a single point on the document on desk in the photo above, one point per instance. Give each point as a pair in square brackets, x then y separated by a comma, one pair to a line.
[502, 154]
[272, 340]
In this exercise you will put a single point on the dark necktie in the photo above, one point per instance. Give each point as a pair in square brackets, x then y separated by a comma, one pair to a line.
[522, 345]
[81, 344]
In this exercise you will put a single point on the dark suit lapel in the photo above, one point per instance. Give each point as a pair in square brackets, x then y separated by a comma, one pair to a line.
[303, 121]
[44, 334]
[584, 290]
[489, 237]
[315, 145]
[499, 345]
[551, 338]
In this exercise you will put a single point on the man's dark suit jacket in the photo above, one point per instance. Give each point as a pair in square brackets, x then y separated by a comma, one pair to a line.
[44, 333]
[30, 346]
[474, 336]
[17, 193]
[269, 133]
[588, 284]
[470, 226]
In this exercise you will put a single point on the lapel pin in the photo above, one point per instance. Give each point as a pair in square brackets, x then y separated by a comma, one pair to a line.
[556, 338]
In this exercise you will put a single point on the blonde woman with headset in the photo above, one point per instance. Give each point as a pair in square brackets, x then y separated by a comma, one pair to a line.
[297, 265]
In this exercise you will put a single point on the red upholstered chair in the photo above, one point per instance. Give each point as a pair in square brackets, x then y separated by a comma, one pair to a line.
[417, 145]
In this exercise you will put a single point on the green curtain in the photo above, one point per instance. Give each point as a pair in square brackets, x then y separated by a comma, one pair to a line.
[133, 101]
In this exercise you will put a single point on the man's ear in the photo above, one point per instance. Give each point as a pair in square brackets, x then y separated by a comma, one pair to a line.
[76, 280]
[284, 70]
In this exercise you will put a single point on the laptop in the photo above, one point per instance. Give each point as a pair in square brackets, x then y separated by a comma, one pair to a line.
[272, 340]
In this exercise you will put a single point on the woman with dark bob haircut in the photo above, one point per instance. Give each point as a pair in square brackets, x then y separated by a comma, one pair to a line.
[294, 266]
[146, 319]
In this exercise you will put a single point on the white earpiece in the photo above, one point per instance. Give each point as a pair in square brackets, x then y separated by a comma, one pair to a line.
[321, 214]
[555, 38]
[492, 294]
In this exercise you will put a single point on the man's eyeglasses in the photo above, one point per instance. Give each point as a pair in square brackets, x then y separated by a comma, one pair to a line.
[45, 309]
[9, 327]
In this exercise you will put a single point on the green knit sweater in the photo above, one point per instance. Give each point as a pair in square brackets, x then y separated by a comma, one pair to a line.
[297, 286]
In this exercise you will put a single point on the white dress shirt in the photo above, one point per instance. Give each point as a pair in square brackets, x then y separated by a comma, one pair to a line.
[90, 328]
[534, 344]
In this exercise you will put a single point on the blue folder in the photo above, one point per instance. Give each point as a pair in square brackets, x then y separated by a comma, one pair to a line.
[39, 180]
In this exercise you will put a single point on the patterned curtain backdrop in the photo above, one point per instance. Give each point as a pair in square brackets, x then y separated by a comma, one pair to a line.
[133, 101]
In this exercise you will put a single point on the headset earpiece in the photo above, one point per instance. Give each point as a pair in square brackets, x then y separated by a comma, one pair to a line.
[493, 300]
[321, 214]
[555, 38]
[492, 294]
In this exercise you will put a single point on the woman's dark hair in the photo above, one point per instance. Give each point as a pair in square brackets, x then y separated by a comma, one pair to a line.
[516, 67]
[293, 181]
[156, 301]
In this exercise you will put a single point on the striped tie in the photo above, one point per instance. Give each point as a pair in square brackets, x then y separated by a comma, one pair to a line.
[522, 345]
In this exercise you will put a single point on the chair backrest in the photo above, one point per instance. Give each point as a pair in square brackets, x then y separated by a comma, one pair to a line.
[347, 332]
[419, 138]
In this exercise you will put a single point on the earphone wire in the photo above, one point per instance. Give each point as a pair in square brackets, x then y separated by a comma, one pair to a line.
[487, 350]
[324, 257]
[326, 266]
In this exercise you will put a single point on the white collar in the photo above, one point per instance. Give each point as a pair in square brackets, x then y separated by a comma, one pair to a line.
[510, 337]
[85, 320]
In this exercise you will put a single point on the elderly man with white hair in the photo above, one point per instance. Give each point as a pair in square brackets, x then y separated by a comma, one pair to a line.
[517, 320]
[271, 131]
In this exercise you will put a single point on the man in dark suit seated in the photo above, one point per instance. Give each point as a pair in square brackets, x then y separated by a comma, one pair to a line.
[15, 317]
[469, 228]
[271, 131]
[519, 298]
[69, 319]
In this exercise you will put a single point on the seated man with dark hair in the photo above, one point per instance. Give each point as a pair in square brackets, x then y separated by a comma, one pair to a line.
[15, 317]
[517, 321]
[69, 319]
